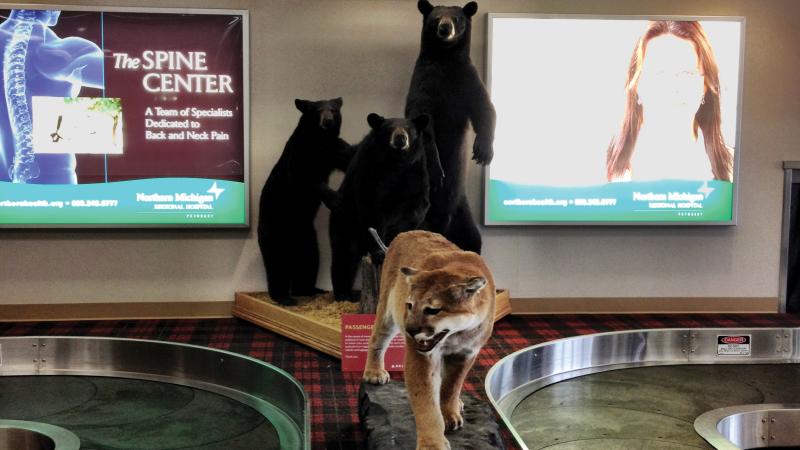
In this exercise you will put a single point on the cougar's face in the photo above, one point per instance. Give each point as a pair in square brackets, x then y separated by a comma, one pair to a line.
[440, 303]
[431, 315]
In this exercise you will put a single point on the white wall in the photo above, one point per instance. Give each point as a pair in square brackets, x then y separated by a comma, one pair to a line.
[364, 51]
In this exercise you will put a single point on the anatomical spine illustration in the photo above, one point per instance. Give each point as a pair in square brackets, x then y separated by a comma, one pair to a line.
[24, 166]
[39, 63]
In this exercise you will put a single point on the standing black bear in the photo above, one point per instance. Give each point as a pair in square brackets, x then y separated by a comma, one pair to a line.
[386, 187]
[292, 195]
[446, 85]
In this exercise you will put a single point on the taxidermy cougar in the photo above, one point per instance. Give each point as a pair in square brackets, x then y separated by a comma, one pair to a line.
[443, 299]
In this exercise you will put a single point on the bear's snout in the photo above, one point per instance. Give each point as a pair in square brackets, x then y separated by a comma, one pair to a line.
[446, 29]
[399, 139]
[326, 121]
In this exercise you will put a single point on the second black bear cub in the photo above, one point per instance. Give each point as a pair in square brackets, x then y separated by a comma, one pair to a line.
[386, 187]
[292, 195]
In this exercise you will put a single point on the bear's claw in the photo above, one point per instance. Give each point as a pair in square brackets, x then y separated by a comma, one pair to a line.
[482, 151]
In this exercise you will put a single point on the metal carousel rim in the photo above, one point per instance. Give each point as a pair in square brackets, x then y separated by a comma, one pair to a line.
[751, 426]
[268, 389]
[519, 374]
[61, 438]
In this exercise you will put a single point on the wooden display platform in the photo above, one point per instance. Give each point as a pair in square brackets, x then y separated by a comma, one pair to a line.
[256, 307]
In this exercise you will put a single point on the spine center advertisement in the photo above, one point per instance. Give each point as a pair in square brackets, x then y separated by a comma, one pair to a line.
[122, 118]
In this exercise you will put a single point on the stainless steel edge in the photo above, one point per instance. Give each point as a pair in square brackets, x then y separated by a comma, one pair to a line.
[519, 374]
[268, 389]
[737, 153]
[750, 426]
[786, 220]
[487, 67]
[134, 9]
[63, 438]
[248, 198]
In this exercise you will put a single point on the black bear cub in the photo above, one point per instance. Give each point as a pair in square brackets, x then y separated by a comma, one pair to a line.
[386, 187]
[292, 195]
[446, 85]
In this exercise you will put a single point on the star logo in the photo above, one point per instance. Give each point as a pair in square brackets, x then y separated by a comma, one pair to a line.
[705, 190]
[215, 190]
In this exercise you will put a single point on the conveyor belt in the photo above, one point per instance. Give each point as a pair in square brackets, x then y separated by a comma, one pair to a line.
[135, 394]
[116, 413]
[643, 389]
[646, 407]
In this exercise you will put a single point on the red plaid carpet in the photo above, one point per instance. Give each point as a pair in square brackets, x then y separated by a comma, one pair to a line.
[334, 395]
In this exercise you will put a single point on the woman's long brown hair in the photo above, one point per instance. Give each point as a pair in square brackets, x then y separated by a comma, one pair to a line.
[707, 118]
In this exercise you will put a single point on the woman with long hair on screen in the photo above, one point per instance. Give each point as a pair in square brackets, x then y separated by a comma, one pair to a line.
[672, 102]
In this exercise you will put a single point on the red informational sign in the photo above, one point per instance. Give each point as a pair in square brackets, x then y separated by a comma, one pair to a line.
[733, 345]
[356, 331]
[733, 339]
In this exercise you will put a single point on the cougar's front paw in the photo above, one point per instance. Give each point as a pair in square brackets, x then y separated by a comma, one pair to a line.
[433, 444]
[453, 420]
[375, 376]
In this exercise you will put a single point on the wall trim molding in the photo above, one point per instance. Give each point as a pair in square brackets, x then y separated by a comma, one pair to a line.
[611, 305]
[115, 311]
[223, 309]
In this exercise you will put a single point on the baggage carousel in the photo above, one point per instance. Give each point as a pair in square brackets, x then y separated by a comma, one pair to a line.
[654, 389]
[68, 393]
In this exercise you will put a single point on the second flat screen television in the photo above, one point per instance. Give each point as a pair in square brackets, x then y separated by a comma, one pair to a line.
[614, 120]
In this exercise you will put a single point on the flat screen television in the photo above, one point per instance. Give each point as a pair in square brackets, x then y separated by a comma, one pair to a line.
[124, 117]
[614, 120]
